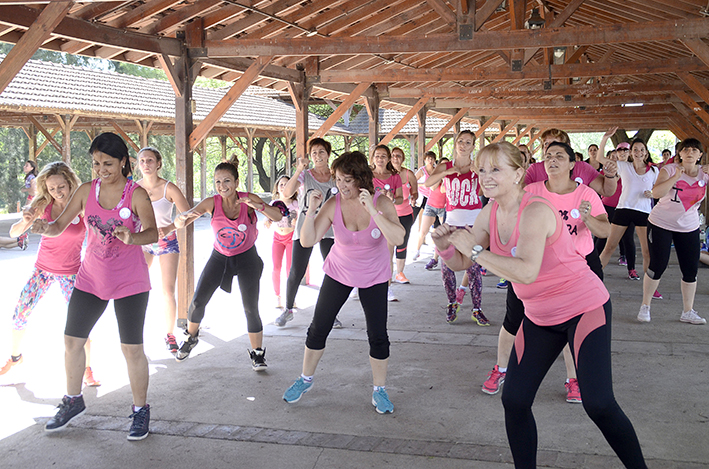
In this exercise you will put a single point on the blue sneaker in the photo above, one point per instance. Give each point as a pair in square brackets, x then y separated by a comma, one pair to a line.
[503, 283]
[296, 390]
[380, 400]
[140, 427]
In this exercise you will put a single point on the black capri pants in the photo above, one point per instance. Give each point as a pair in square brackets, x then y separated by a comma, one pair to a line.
[406, 221]
[686, 246]
[85, 309]
[333, 295]
[300, 257]
[220, 271]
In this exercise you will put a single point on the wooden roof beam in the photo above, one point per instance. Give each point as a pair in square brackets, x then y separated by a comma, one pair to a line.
[556, 102]
[441, 7]
[484, 13]
[340, 111]
[504, 131]
[172, 75]
[693, 105]
[236, 90]
[46, 133]
[557, 23]
[484, 127]
[695, 85]
[404, 120]
[441, 133]
[38, 32]
[125, 135]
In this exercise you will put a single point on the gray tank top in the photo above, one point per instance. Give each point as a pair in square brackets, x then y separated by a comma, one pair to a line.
[307, 184]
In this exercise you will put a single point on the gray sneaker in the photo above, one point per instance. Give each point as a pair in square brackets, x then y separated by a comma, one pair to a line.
[692, 317]
[284, 318]
[644, 314]
[337, 324]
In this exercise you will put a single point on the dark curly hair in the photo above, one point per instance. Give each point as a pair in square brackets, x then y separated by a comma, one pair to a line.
[354, 163]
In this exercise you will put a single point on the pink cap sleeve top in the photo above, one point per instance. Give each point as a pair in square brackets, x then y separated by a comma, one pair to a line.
[358, 258]
[62, 255]
[678, 209]
[568, 207]
[232, 237]
[583, 173]
[111, 269]
[565, 287]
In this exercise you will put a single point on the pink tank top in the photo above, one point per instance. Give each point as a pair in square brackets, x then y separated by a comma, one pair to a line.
[423, 190]
[358, 258]
[405, 207]
[111, 269]
[62, 255]
[232, 237]
[565, 287]
[437, 199]
[462, 191]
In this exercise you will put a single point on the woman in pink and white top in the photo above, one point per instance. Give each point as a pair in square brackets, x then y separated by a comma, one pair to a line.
[565, 303]
[282, 234]
[119, 219]
[364, 223]
[409, 192]
[58, 259]
[462, 208]
[422, 174]
[681, 187]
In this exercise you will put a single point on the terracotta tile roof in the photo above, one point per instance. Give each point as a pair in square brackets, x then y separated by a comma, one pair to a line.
[388, 118]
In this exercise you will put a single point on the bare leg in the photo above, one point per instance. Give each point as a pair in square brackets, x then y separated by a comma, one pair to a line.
[379, 370]
[74, 363]
[617, 232]
[8, 243]
[505, 342]
[138, 373]
[425, 226]
[649, 287]
[168, 269]
[400, 264]
[688, 292]
[311, 358]
[87, 352]
[644, 248]
[256, 339]
[569, 362]
[17, 336]
[193, 328]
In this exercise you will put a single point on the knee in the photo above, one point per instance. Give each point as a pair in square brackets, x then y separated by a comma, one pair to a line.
[599, 408]
[515, 402]
[379, 347]
[74, 344]
[133, 352]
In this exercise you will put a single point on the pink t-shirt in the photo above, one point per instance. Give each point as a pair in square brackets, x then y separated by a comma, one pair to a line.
[232, 237]
[678, 210]
[583, 173]
[62, 255]
[358, 258]
[612, 201]
[405, 207]
[437, 199]
[111, 269]
[565, 286]
[568, 207]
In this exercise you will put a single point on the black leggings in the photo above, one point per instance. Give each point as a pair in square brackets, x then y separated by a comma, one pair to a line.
[406, 221]
[420, 208]
[627, 242]
[534, 352]
[299, 264]
[333, 295]
[85, 309]
[219, 271]
[686, 246]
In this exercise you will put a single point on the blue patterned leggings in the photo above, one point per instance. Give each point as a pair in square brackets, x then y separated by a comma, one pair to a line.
[476, 283]
[36, 287]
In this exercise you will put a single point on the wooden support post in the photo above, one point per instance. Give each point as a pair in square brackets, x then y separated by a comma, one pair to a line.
[372, 105]
[32, 142]
[272, 157]
[288, 139]
[66, 140]
[222, 144]
[250, 159]
[300, 94]
[203, 171]
[413, 152]
[421, 116]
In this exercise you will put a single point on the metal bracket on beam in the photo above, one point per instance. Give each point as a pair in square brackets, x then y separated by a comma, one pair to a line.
[312, 80]
[195, 52]
[547, 85]
[517, 65]
[465, 32]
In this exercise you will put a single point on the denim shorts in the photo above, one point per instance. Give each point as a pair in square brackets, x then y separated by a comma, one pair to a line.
[434, 212]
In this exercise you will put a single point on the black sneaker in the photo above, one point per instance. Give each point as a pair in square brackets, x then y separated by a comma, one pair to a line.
[186, 347]
[139, 429]
[69, 408]
[258, 359]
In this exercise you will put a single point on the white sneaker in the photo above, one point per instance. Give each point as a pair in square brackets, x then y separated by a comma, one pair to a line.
[354, 294]
[692, 317]
[391, 296]
[417, 254]
[644, 314]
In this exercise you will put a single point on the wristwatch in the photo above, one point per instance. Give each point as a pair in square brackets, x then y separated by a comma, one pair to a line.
[477, 249]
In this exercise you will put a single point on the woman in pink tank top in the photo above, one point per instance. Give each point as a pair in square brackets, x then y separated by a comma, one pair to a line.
[119, 219]
[234, 225]
[58, 259]
[405, 211]
[363, 226]
[564, 303]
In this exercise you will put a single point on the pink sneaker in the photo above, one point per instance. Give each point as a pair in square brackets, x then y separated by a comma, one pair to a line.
[573, 393]
[494, 380]
[657, 295]
[459, 295]
[633, 274]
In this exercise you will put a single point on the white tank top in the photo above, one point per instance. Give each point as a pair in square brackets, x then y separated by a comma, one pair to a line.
[163, 209]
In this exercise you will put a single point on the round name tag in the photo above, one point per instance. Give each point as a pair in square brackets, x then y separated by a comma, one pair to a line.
[334, 191]
[242, 227]
[75, 221]
[124, 213]
[575, 213]
[376, 233]
[579, 180]
[513, 251]
[387, 186]
[702, 183]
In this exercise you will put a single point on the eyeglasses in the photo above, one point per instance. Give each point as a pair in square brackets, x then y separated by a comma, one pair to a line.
[623, 149]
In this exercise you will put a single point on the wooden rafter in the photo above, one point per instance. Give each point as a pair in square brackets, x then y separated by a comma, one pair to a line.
[441, 7]
[125, 135]
[693, 105]
[341, 109]
[485, 126]
[441, 133]
[49, 136]
[557, 23]
[505, 131]
[403, 121]
[172, 76]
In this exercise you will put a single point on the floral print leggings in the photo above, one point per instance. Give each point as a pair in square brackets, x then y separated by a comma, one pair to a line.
[35, 289]
[476, 284]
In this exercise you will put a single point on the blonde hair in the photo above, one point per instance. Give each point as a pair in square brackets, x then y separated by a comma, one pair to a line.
[57, 168]
[497, 152]
[557, 135]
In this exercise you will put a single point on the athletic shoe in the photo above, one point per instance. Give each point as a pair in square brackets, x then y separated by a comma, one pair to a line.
[186, 347]
[380, 400]
[692, 317]
[432, 264]
[494, 380]
[644, 314]
[622, 261]
[657, 295]
[452, 312]
[9, 364]
[279, 303]
[401, 278]
[479, 317]
[258, 359]
[139, 429]
[354, 294]
[417, 254]
[89, 379]
[391, 296]
[633, 274]
[573, 393]
[69, 408]
[459, 295]
[503, 283]
[284, 318]
[23, 241]
[483, 271]
[296, 390]
[171, 343]
[337, 324]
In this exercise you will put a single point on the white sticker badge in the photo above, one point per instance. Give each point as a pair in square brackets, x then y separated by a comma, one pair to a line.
[124, 213]
[575, 213]
[387, 186]
[702, 183]
[334, 191]
[75, 221]
[376, 233]
[513, 251]
[579, 180]
[242, 227]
